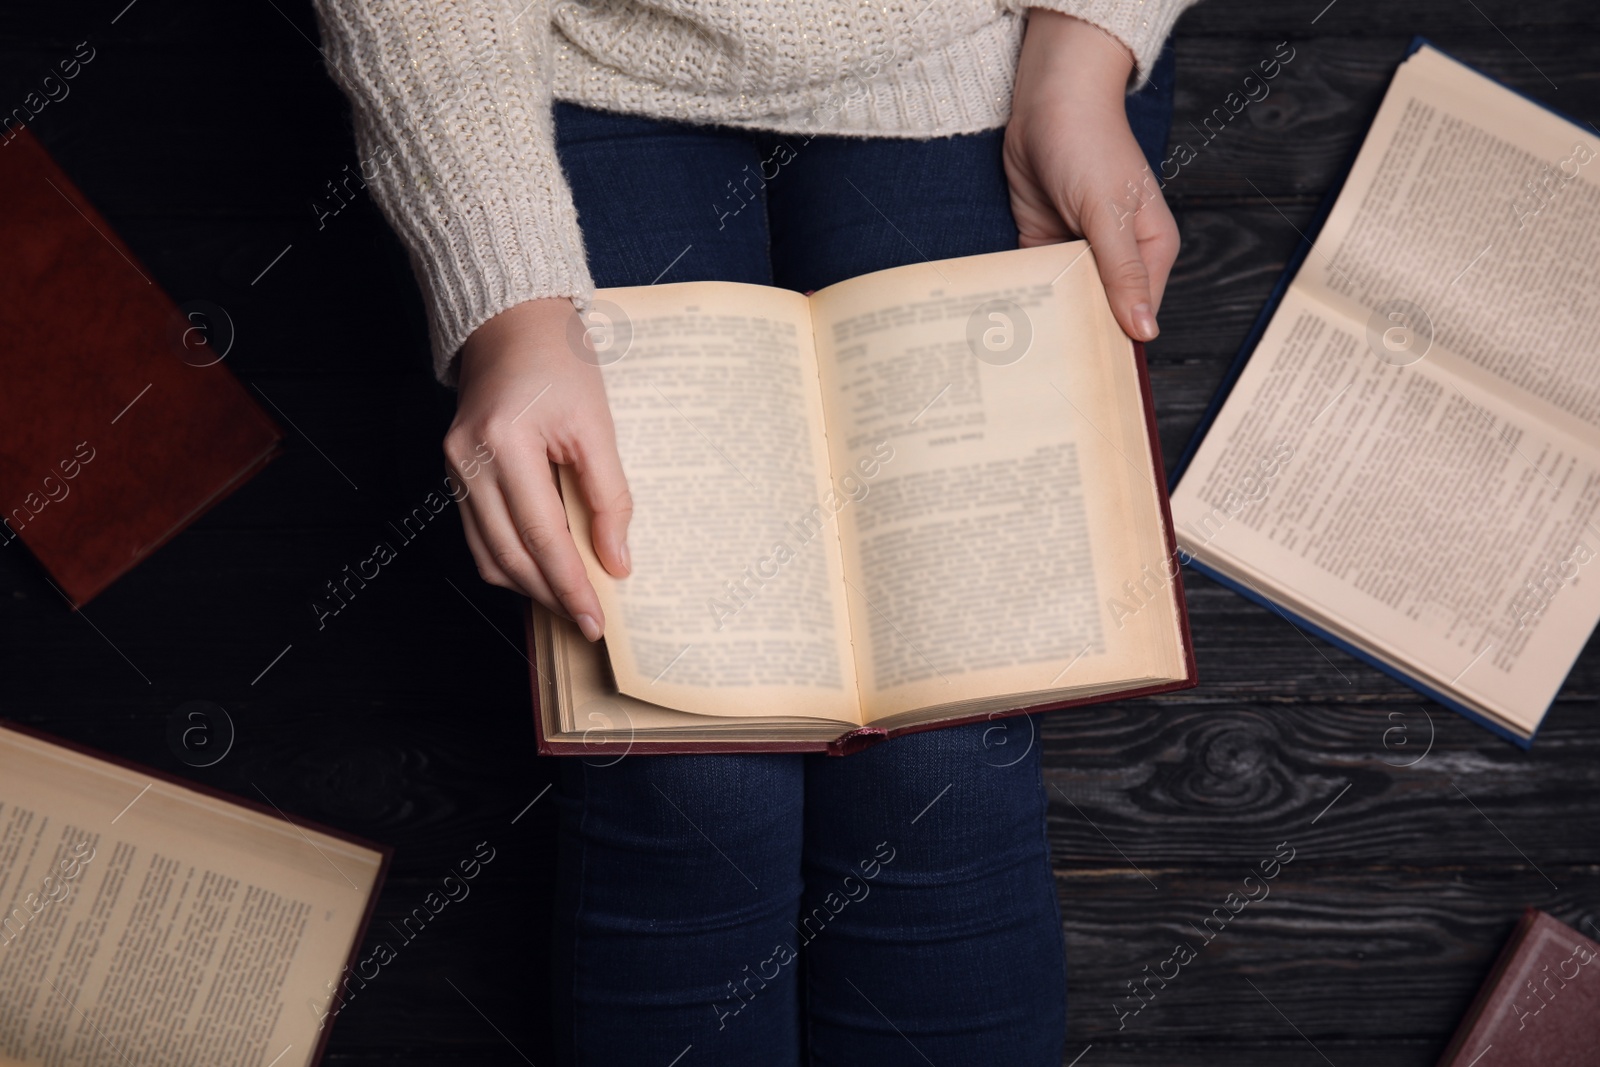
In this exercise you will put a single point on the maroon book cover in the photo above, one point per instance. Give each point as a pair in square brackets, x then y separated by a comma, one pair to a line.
[1539, 1007]
[856, 740]
[119, 425]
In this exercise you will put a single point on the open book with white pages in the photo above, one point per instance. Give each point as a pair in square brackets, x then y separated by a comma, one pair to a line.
[1407, 455]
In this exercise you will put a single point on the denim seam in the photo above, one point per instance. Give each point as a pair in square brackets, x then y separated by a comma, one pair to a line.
[808, 1043]
[806, 1053]
[577, 910]
[766, 223]
[1049, 875]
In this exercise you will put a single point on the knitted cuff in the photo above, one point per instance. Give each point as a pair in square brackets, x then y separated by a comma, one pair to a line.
[1142, 25]
[453, 119]
[480, 244]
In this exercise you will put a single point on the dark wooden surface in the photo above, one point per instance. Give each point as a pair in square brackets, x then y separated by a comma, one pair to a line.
[204, 132]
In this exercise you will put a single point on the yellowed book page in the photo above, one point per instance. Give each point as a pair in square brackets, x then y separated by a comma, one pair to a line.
[989, 410]
[588, 704]
[147, 924]
[1416, 510]
[735, 602]
[1468, 233]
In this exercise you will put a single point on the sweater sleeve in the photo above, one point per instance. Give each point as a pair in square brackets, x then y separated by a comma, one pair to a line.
[452, 115]
[1142, 25]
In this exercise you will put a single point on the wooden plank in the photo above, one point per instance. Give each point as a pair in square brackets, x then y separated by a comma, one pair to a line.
[1189, 788]
[1230, 259]
[1297, 134]
[1343, 956]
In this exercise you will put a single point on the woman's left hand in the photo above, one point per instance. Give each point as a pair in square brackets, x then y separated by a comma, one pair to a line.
[1076, 170]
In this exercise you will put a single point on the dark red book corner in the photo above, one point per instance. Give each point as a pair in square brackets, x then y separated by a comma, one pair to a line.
[1540, 1005]
[119, 425]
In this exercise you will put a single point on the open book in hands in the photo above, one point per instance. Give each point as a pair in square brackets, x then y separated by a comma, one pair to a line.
[922, 496]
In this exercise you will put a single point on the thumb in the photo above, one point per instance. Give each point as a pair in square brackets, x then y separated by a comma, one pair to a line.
[1123, 272]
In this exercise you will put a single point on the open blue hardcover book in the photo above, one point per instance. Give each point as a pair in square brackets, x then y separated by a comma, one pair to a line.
[1405, 457]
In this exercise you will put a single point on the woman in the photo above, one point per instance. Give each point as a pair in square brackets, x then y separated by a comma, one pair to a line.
[893, 906]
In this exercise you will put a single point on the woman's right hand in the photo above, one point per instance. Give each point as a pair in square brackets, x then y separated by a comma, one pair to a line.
[528, 397]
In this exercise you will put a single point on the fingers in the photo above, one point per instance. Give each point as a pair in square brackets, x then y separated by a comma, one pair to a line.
[1158, 246]
[536, 520]
[513, 561]
[1123, 270]
[605, 489]
[488, 569]
[514, 520]
[500, 557]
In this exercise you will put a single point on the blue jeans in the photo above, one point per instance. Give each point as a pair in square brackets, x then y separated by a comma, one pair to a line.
[891, 907]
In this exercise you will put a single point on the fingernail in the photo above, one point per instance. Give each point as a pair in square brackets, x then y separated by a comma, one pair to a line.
[1144, 323]
[590, 628]
[627, 557]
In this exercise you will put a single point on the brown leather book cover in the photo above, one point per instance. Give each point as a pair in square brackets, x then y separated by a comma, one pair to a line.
[119, 425]
[863, 737]
[1539, 1007]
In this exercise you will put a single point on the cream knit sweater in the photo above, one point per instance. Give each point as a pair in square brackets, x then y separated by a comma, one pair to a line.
[452, 98]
